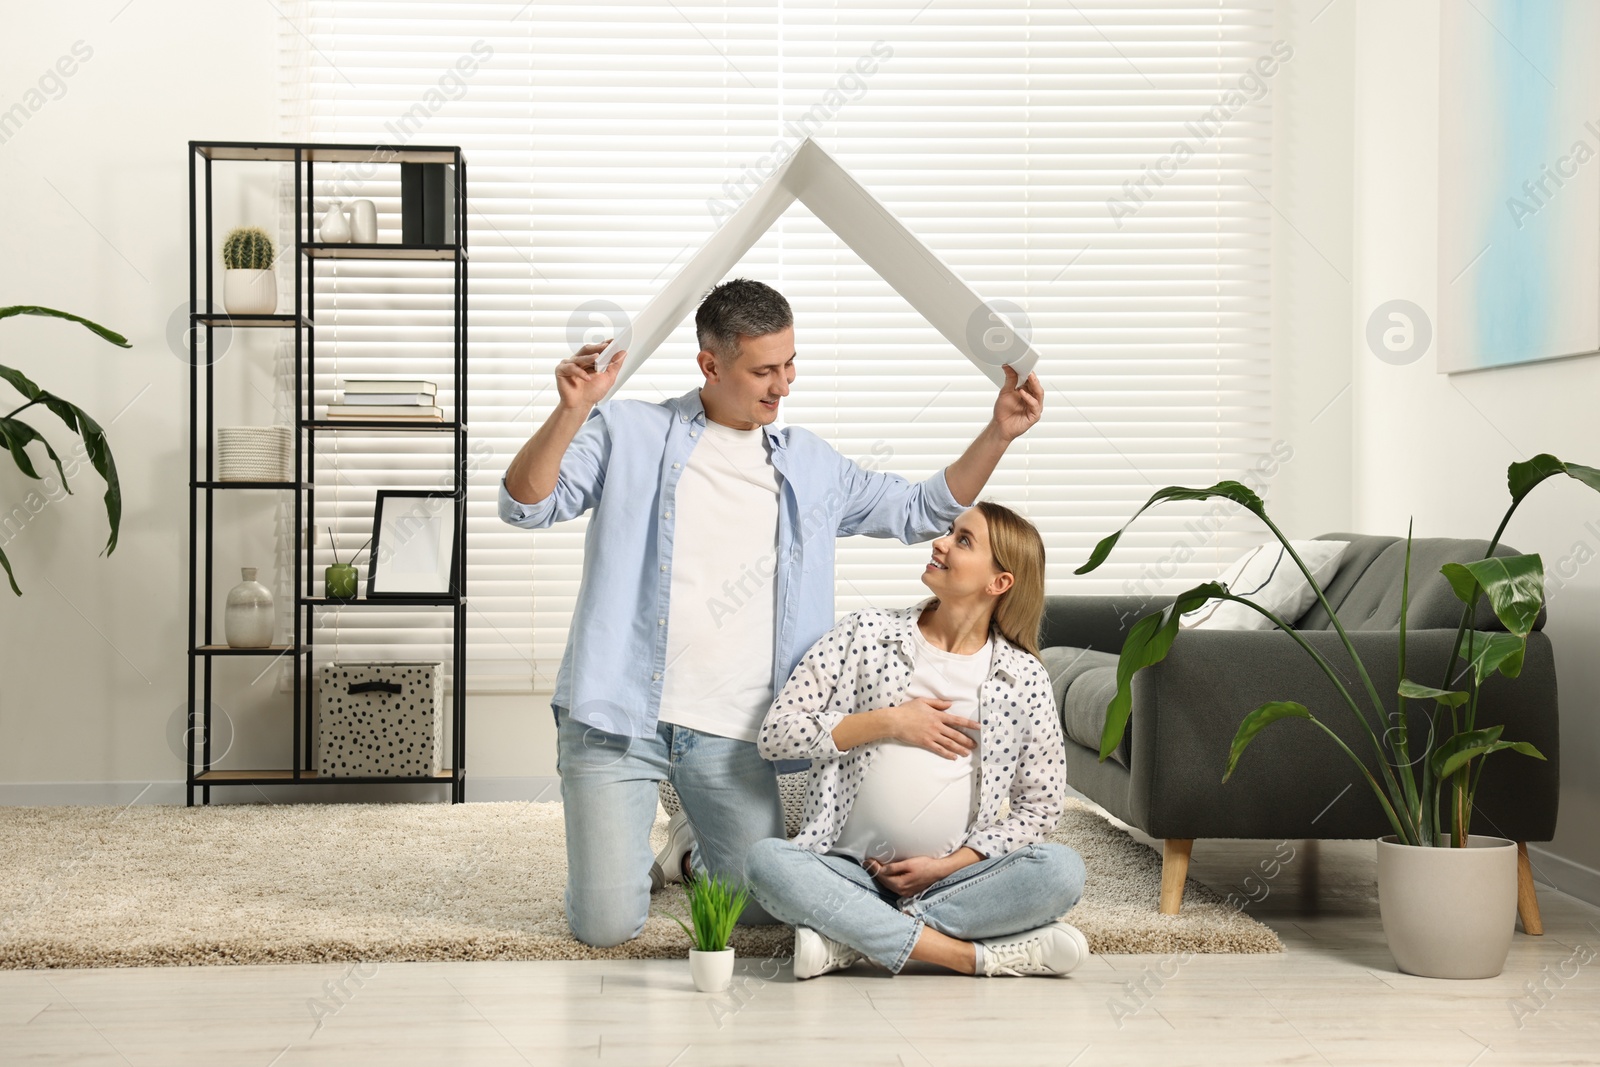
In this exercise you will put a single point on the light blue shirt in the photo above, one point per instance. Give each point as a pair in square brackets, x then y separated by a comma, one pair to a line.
[624, 463]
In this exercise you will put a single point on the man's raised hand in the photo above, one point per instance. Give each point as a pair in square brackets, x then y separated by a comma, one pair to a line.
[579, 384]
[1018, 407]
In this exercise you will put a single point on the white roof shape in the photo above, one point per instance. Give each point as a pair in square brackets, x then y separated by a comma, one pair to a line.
[815, 178]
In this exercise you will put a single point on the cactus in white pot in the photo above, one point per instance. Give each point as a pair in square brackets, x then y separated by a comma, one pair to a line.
[249, 286]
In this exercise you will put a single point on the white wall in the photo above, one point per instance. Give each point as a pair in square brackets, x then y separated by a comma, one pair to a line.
[1312, 135]
[1434, 448]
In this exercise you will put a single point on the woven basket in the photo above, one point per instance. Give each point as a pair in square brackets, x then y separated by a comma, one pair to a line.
[791, 791]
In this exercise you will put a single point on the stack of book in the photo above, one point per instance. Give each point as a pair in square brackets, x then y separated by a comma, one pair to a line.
[382, 398]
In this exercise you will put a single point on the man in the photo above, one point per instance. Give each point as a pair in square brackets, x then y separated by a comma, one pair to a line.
[707, 574]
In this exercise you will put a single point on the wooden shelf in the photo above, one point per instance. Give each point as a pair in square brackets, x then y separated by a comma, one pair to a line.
[282, 777]
[419, 601]
[323, 153]
[227, 650]
[377, 424]
[250, 321]
[318, 250]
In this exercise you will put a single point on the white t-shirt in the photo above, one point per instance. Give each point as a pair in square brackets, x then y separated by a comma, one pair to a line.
[724, 600]
[913, 802]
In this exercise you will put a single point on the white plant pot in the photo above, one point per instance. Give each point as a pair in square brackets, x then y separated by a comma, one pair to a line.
[712, 971]
[1449, 912]
[249, 292]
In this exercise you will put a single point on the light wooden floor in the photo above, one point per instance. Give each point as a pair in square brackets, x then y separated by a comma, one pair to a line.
[1333, 998]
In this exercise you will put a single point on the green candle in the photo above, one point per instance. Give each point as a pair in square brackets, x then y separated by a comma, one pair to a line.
[341, 581]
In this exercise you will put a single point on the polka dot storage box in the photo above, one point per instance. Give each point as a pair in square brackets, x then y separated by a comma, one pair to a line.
[379, 719]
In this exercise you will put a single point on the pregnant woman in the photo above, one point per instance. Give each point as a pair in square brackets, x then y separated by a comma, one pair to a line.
[937, 771]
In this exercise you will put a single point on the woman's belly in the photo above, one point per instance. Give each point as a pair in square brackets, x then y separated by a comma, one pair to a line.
[912, 802]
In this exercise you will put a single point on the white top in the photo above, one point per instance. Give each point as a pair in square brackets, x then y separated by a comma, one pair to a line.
[913, 802]
[723, 603]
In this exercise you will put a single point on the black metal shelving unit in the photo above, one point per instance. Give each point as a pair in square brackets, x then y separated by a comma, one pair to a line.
[203, 484]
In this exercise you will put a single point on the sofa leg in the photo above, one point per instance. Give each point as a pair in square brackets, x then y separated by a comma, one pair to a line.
[1174, 869]
[1527, 898]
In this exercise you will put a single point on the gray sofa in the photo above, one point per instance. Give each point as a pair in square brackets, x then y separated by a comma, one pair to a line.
[1293, 783]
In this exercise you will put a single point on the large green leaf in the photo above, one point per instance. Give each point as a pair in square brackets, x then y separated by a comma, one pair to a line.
[1450, 697]
[1456, 752]
[1256, 721]
[1514, 584]
[1494, 651]
[1522, 477]
[1147, 644]
[12, 578]
[16, 435]
[30, 309]
[94, 440]
[21, 382]
[1235, 491]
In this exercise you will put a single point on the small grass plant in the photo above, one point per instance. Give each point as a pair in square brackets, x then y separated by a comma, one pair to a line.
[715, 904]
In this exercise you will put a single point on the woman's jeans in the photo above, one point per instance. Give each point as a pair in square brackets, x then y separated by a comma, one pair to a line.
[834, 895]
[609, 793]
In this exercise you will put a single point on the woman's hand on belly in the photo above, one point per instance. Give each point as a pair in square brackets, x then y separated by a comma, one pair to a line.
[920, 721]
[912, 875]
[924, 722]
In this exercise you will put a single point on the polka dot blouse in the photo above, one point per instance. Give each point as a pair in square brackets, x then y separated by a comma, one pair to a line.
[865, 662]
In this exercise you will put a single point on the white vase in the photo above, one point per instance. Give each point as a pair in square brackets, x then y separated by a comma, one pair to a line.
[363, 222]
[1449, 912]
[712, 971]
[247, 620]
[335, 228]
[249, 292]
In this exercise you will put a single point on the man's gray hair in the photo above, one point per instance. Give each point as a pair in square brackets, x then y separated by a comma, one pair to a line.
[739, 306]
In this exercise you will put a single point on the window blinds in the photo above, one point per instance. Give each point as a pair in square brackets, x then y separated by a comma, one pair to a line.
[1100, 172]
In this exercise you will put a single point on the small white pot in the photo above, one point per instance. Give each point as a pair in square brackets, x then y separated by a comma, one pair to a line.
[712, 971]
[249, 292]
[1449, 912]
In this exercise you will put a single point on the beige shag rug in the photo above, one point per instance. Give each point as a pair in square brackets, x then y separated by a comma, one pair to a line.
[237, 884]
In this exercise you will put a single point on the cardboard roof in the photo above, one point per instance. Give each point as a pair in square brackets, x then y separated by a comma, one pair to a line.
[883, 242]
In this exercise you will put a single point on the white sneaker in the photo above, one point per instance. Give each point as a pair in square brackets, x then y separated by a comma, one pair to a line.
[668, 866]
[815, 954]
[1053, 949]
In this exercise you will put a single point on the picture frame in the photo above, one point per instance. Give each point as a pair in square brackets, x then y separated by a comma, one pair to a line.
[414, 551]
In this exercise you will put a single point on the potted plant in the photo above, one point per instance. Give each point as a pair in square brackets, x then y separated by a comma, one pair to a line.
[339, 579]
[249, 286]
[16, 435]
[1447, 897]
[715, 904]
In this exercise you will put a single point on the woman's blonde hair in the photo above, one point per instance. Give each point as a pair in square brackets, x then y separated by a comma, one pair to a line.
[1017, 547]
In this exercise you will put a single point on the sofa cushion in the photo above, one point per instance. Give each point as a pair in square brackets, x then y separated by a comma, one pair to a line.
[1366, 591]
[1358, 555]
[1084, 681]
[1266, 576]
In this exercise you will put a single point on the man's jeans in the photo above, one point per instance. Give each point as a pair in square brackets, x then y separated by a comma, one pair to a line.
[609, 792]
[834, 895]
